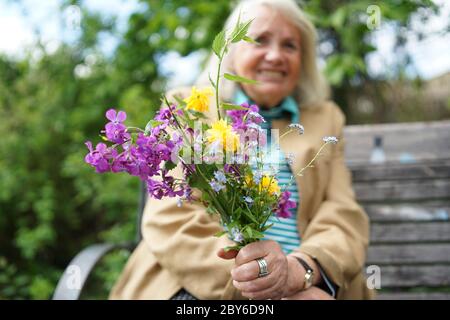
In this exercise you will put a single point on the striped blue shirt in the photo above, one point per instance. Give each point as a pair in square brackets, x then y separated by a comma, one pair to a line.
[284, 230]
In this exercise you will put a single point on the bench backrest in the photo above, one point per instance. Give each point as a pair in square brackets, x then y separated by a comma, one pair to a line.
[408, 204]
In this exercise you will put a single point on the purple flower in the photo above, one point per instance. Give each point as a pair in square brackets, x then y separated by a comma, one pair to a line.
[298, 127]
[99, 158]
[220, 177]
[236, 235]
[132, 162]
[290, 158]
[240, 119]
[115, 131]
[284, 205]
[164, 115]
[188, 193]
[232, 169]
[165, 188]
[216, 186]
[257, 176]
[331, 139]
[248, 200]
[247, 124]
[145, 158]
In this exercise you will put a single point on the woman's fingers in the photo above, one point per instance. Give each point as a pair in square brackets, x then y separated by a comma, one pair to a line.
[245, 274]
[227, 254]
[254, 250]
[256, 284]
[248, 271]
[275, 291]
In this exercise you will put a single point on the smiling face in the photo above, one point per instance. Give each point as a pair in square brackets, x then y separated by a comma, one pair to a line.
[274, 62]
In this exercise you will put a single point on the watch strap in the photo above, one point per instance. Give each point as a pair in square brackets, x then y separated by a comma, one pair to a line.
[309, 275]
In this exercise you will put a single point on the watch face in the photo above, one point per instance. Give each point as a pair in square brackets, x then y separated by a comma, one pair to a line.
[308, 279]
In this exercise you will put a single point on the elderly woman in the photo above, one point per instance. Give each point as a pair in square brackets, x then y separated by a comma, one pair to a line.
[319, 253]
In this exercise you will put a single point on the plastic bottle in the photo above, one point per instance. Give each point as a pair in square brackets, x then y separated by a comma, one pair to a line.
[377, 155]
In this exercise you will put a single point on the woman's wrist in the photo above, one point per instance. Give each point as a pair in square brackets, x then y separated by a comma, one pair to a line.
[314, 265]
[296, 275]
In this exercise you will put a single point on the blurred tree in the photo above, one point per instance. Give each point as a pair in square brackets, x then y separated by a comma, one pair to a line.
[346, 30]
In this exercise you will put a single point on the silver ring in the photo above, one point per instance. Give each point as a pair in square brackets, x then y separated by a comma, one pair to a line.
[262, 263]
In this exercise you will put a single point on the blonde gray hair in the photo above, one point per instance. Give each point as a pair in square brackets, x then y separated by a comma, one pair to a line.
[312, 87]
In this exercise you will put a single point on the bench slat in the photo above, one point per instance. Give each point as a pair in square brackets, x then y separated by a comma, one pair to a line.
[398, 171]
[410, 232]
[386, 191]
[413, 276]
[409, 254]
[424, 140]
[431, 211]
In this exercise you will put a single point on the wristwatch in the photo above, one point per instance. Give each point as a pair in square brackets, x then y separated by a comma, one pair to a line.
[309, 275]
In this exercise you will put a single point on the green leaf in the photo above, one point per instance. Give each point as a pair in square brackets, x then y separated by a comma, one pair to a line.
[338, 18]
[230, 106]
[219, 234]
[230, 248]
[179, 100]
[197, 114]
[205, 127]
[257, 234]
[240, 32]
[237, 26]
[151, 124]
[250, 40]
[219, 43]
[169, 165]
[213, 84]
[206, 198]
[196, 181]
[250, 216]
[233, 77]
[248, 232]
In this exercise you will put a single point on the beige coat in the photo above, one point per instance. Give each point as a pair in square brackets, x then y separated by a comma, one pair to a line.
[179, 249]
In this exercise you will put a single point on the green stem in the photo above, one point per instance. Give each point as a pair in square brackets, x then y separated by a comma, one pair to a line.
[136, 129]
[313, 159]
[218, 78]
[286, 133]
[217, 88]
[304, 168]
[213, 198]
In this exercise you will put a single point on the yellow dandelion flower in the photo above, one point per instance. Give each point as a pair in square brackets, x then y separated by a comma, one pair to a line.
[221, 131]
[270, 184]
[249, 180]
[199, 99]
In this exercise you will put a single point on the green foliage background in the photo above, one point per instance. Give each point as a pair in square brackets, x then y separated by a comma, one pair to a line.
[51, 203]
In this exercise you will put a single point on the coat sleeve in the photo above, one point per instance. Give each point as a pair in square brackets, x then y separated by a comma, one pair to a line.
[183, 242]
[337, 235]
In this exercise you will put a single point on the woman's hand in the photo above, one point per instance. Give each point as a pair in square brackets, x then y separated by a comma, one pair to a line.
[245, 273]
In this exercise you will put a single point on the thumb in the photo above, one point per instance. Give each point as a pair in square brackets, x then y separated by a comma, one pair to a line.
[227, 254]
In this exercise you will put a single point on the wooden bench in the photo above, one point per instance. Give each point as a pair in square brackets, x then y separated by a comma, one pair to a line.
[408, 205]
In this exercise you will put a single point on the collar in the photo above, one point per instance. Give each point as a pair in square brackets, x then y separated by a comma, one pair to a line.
[287, 107]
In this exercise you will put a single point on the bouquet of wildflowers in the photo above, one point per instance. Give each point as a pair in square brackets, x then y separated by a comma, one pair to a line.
[224, 160]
